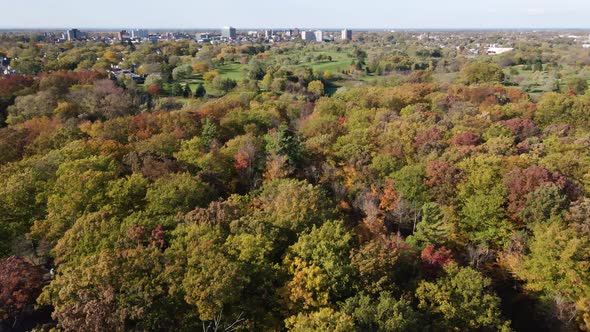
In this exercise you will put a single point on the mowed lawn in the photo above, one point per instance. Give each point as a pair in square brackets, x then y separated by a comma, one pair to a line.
[340, 61]
[233, 70]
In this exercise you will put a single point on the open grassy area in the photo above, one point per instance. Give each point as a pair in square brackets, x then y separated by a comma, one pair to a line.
[529, 80]
[234, 71]
[340, 61]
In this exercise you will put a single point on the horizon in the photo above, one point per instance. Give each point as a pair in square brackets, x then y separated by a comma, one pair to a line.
[370, 15]
[329, 29]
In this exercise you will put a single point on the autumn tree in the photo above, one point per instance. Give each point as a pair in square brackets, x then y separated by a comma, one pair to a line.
[20, 285]
[316, 88]
[461, 300]
[482, 72]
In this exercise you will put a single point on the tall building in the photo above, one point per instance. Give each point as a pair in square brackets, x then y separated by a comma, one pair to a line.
[346, 34]
[319, 36]
[229, 32]
[139, 34]
[74, 34]
[308, 36]
[122, 35]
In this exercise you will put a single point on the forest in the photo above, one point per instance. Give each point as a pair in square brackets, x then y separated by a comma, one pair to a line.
[384, 184]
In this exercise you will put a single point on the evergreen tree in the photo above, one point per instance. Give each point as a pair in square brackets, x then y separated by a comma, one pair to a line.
[200, 92]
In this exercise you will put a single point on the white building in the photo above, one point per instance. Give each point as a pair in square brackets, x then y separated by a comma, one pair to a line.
[229, 32]
[319, 36]
[498, 50]
[139, 34]
[346, 34]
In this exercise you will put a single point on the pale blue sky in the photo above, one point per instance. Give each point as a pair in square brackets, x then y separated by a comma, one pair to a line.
[184, 14]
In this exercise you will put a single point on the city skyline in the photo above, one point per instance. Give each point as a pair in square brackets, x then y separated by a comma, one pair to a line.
[372, 14]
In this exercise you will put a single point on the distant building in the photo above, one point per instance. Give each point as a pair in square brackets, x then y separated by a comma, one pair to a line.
[229, 32]
[319, 36]
[122, 35]
[267, 34]
[346, 34]
[296, 33]
[308, 36]
[180, 35]
[139, 34]
[498, 50]
[74, 34]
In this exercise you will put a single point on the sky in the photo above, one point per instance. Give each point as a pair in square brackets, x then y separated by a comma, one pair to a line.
[243, 14]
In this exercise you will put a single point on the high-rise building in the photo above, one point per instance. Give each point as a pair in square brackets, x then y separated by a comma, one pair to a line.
[73, 34]
[346, 34]
[139, 34]
[308, 36]
[319, 36]
[122, 35]
[229, 32]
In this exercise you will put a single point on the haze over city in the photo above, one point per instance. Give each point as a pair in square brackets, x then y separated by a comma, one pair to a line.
[373, 14]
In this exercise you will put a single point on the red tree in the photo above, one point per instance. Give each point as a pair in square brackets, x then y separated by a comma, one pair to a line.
[465, 138]
[433, 260]
[10, 85]
[521, 128]
[154, 90]
[522, 182]
[442, 178]
[20, 285]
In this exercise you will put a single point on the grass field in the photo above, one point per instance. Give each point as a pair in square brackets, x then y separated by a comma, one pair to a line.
[531, 81]
[233, 71]
[340, 61]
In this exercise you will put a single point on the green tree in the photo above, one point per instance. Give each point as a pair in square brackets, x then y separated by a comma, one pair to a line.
[200, 92]
[556, 267]
[127, 194]
[80, 187]
[325, 319]
[177, 193]
[19, 206]
[383, 314]
[213, 279]
[320, 265]
[482, 198]
[578, 84]
[316, 88]
[482, 72]
[186, 92]
[256, 69]
[154, 79]
[182, 72]
[115, 291]
[461, 301]
[176, 89]
[223, 84]
[432, 229]
[378, 266]
[553, 107]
